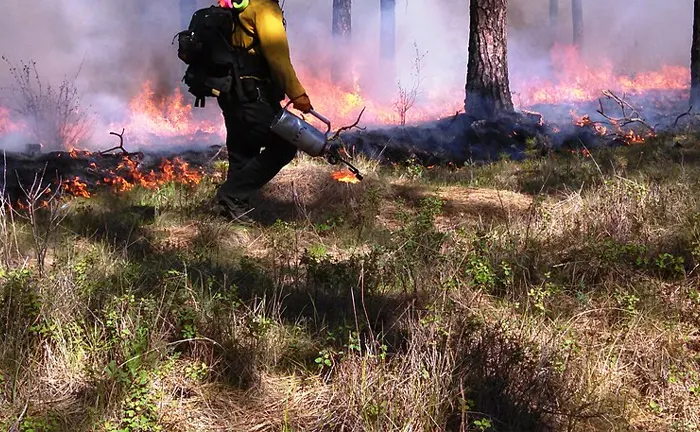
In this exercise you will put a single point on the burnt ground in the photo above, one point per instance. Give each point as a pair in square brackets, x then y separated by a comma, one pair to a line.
[455, 141]
[21, 170]
[460, 139]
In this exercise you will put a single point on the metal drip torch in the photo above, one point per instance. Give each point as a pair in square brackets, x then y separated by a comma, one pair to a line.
[308, 139]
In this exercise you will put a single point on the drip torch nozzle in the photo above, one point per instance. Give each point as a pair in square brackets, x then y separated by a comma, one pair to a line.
[333, 157]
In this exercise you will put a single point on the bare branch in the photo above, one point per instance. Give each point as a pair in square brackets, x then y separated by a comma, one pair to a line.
[45, 212]
[683, 115]
[54, 114]
[120, 146]
[407, 97]
[626, 119]
[352, 126]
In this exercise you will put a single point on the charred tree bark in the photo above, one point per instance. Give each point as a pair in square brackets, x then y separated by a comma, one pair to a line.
[695, 60]
[341, 70]
[387, 34]
[577, 20]
[487, 89]
[553, 21]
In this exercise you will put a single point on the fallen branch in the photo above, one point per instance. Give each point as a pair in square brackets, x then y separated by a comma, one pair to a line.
[626, 119]
[120, 146]
[535, 116]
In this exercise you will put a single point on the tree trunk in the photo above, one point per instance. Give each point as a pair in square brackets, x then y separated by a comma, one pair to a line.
[387, 34]
[695, 60]
[487, 89]
[553, 21]
[187, 8]
[341, 70]
[577, 19]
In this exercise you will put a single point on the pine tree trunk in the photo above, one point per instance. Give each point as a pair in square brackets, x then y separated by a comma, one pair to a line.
[387, 34]
[341, 70]
[577, 19]
[553, 21]
[695, 60]
[487, 89]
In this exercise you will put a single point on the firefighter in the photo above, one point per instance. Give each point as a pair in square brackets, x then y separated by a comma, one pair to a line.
[266, 75]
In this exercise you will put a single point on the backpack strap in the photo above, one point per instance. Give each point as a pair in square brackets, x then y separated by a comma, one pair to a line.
[256, 40]
[238, 53]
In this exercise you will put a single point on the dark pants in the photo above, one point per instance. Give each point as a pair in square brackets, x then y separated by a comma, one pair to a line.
[247, 132]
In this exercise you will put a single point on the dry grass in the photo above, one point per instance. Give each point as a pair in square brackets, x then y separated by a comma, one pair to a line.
[412, 301]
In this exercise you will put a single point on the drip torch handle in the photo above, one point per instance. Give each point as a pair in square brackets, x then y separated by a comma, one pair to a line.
[314, 113]
[323, 119]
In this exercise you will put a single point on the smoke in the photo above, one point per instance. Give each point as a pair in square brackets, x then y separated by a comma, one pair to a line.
[117, 45]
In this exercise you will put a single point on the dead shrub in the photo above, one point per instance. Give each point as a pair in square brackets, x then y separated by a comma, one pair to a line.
[54, 115]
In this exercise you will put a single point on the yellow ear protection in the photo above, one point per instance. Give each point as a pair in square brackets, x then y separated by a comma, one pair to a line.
[241, 5]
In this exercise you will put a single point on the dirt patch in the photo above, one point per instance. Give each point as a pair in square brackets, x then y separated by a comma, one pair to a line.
[461, 205]
[308, 192]
[175, 237]
[480, 202]
[274, 403]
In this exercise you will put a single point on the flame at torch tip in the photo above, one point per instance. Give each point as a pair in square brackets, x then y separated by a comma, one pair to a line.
[345, 177]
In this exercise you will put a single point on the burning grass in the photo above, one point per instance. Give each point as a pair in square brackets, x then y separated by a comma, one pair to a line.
[559, 293]
[576, 81]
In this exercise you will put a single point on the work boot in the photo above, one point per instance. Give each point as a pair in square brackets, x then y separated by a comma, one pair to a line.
[236, 210]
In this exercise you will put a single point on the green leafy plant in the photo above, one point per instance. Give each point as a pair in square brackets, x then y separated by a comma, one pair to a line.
[668, 264]
[188, 323]
[47, 423]
[324, 359]
[627, 301]
[483, 424]
[540, 294]
[481, 272]
[197, 371]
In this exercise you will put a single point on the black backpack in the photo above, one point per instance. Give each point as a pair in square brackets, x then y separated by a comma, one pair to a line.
[206, 48]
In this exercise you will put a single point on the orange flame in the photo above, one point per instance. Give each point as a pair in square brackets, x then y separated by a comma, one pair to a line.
[76, 187]
[75, 153]
[345, 177]
[127, 175]
[172, 116]
[585, 121]
[343, 106]
[165, 116]
[633, 137]
[576, 81]
[157, 116]
[6, 123]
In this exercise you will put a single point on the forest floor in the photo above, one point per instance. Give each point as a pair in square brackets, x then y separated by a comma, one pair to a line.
[560, 293]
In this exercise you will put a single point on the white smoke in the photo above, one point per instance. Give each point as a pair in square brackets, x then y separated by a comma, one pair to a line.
[117, 45]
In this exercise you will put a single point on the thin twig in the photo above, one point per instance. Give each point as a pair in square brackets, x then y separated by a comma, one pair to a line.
[15, 426]
[633, 117]
[683, 115]
[216, 155]
[352, 126]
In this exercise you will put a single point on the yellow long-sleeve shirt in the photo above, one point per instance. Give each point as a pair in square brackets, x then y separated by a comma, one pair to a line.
[264, 19]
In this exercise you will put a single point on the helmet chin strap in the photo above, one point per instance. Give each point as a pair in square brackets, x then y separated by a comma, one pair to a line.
[241, 5]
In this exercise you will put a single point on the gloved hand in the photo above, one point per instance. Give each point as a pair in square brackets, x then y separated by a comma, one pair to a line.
[303, 103]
